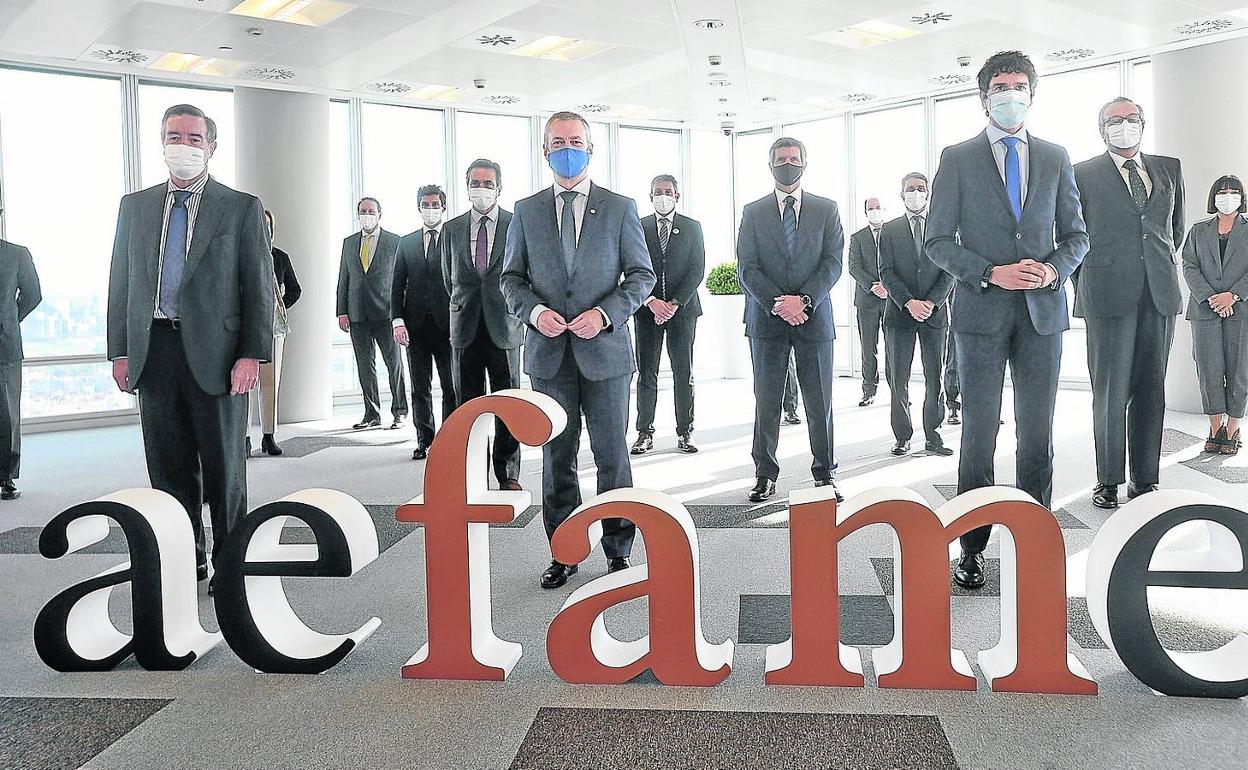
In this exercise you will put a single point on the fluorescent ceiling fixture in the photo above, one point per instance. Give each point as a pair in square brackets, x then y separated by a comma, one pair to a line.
[560, 48]
[311, 13]
[435, 93]
[870, 33]
[196, 65]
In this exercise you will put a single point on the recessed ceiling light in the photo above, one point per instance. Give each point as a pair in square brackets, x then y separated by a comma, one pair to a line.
[872, 33]
[196, 65]
[1069, 54]
[501, 99]
[270, 73]
[709, 23]
[558, 48]
[310, 13]
[120, 56]
[1204, 27]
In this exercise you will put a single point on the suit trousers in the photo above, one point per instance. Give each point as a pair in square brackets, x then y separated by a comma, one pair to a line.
[262, 400]
[1220, 348]
[193, 440]
[953, 390]
[1034, 360]
[1127, 358]
[470, 367]
[679, 333]
[364, 335]
[789, 403]
[870, 322]
[604, 403]
[899, 344]
[10, 420]
[769, 356]
[428, 346]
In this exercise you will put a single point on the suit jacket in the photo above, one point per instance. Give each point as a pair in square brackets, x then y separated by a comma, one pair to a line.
[417, 288]
[1207, 273]
[766, 270]
[907, 275]
[19, 285]
[611, 270]
[1129, 250]
[971, 228]
[226, 302]
[864, 268]
[474, 296]
[366, 296]
[680, 272]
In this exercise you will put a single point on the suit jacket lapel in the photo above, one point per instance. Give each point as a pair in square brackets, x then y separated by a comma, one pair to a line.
[469, 238]
[772, 225]
[988, 165]
[589, 224]
[1238, 241]
[1113, 177]
[152, 215]
[810, 209]
[500, 239]
[206, 220]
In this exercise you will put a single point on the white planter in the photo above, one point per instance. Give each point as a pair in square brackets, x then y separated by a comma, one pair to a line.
[724, 325]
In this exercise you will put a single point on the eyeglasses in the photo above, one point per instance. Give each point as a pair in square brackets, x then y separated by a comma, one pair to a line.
[1118, 120]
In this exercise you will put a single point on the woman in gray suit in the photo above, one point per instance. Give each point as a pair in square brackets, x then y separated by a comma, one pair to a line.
[1215, 264]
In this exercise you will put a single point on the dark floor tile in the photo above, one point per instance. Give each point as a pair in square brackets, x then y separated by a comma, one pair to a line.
[1173, 441]
[765, 619]
[992, 578]
[65, 733]
[1224, 468]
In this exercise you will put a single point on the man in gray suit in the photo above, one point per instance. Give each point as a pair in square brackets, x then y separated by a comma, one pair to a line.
[365, 280]
[485, 337]
[576, 268]
[1127, 292]
[1005, 222]
[19, 286]
[789, 253]
[190, 319]
[870, 296]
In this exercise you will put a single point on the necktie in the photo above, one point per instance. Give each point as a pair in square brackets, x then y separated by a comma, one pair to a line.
[790, 223]
[917, 224]
[567, 229]
[481, 250]
[431, 246]
[175, 254]
[366, 252]
[1013, 176]
[664, 236]
[1138, 193]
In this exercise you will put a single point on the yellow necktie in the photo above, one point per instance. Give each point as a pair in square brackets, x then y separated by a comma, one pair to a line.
[366, 253]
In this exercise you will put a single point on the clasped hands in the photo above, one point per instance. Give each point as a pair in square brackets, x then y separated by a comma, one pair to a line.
[663, 311]
[587, 325]
[921, 309]
[1223, 304]
[791, 308]
[1023, 275]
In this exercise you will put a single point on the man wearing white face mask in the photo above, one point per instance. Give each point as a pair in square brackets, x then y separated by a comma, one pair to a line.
[1006, 223]
[869, 294]
[190, 319]
[1127, 292]
[485, 336]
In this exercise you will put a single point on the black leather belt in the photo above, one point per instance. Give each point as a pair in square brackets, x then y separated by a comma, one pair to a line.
[166, 323]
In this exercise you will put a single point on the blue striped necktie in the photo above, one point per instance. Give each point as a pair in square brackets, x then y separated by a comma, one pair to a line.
[790, 224]
[1013, 176]
[175, 254]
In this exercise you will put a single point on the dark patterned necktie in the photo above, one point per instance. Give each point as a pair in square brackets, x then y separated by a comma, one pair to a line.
[790, 223]
[1138, 193]
[664, 234]
[917, 224]
[481, 253]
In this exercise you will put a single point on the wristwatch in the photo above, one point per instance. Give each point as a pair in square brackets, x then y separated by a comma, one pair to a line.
[986, 279]
[806, 301]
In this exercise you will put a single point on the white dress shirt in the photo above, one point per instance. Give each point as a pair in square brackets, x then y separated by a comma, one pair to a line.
[579, 205]
[429, 232]
[192, 211]
[995, 135]
[1139, 166]
[491, 224]
[797, 202]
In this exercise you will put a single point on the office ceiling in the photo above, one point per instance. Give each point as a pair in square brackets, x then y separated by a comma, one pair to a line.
[633, 59]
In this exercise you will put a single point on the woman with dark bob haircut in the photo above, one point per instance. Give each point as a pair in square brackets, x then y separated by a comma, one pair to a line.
[1215, 264]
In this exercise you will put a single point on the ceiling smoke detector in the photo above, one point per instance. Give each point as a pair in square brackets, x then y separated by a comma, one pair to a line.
[389, 87]
[709, 24]
[120, 56]
[1070, 54]
[255, 31]
[501, 99]
[270, 73]
[1204, 27]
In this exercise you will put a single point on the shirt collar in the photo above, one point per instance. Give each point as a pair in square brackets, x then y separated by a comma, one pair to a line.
[195, 189]
[582, 187]
[996, 134]
[1119, 160]
[491, 215]
[910, 215]
[376, 232]
[781, 195]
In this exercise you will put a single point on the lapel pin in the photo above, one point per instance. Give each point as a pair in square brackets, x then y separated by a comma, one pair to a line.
[676, 231]
[593, 211]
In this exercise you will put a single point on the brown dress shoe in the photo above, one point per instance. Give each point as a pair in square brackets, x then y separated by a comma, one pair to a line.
[511, 485]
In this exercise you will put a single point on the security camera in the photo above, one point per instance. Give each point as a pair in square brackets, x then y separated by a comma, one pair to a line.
[964, 61]
[479, 82]
[727, 127]
[714, 61]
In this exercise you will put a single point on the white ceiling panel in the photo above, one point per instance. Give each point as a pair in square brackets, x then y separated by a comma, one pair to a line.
[587, 25]
[321, 48]
[373, 21]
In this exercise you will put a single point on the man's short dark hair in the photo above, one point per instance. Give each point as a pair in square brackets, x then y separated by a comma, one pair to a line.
[665, 178]
[786, 141]
[1228, 181]
[1100, 116]
[481, 163]
[376, 203]
[914, 175]
[867, 202]
[1007, 62]
[194, 112]
[432, 189]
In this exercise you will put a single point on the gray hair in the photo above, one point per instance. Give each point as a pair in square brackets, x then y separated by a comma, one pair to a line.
[1100, 116]
[565, 115]
[192, 111]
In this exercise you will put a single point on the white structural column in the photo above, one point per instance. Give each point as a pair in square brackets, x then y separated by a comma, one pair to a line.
[283, 157]
[1198, 118]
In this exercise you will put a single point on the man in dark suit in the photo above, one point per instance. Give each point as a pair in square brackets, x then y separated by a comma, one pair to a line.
[575, 269]
[485, 337]
[421, 306]
[1005, 222]
[678, 255]
[190, 319]
[870, 296]
[789, 253]
[19, 286]
[365, 278]
[1127, 292]
[918, 294]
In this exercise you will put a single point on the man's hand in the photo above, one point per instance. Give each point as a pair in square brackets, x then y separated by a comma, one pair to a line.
[663, 311]
[121, 375]
[551, 324]
[920, 309]
[878, 290]
[1024, 275]
[1222, 302]
[244, 376]
[400, 335]
[344, 323]
[1230, 311]
[587, 325]
[1050, 272]
[798, 319]
[788, 307]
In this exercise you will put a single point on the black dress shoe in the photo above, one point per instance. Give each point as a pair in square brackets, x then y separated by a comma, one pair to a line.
[617, 563]
[1105, 496]
[791, 418]
[269, 446]
[867, 400]
[247, 447]
[212, 585]
[367, 422]
[954, 419]
[201, 573]
[685, 443]
[511, 485]
[643, 444]
[901, 448]
[938, 449]
[557, 574]
[420, 453]
[830, 483]
[762, 491]
[9, 490]
[398, 423]
[1135, 490]
[970, 571]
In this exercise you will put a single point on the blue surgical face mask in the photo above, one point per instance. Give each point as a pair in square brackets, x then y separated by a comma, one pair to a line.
[568, 162]
[1009, 108]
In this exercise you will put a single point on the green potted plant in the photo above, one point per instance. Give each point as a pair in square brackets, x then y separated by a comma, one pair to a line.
[725, 311]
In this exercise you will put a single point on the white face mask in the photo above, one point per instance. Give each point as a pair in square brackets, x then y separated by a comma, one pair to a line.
[1009, 108]
[663, 204]
[482, 198]
[916, 200]
[184, 161]
[1125, 135]
[368, 222]
[875, 217]
[1228, 203]
[431, 217]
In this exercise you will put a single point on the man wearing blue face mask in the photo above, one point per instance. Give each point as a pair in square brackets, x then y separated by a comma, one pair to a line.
[1006, 223]
[575, 269]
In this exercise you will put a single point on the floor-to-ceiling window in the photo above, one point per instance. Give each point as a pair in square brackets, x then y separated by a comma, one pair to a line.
[403, 148]
[708, 194]
[505, 139]
[342, 216]
[643, 154]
